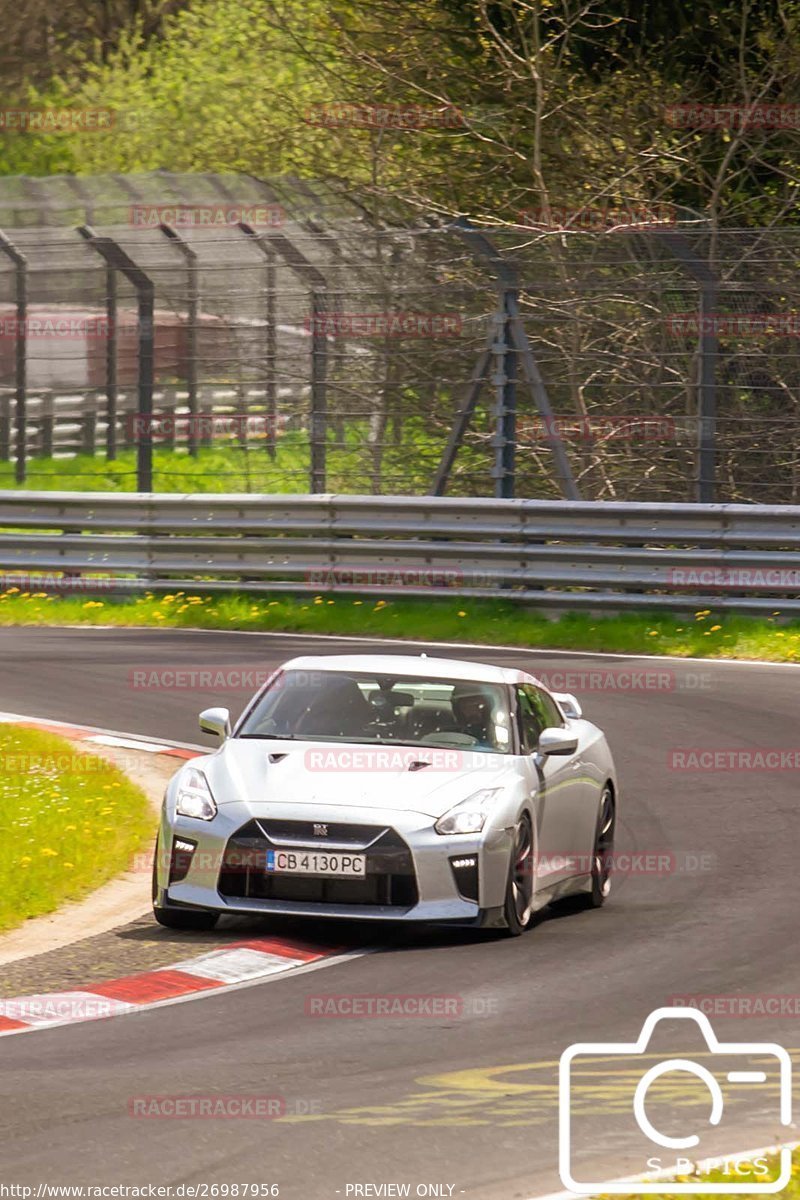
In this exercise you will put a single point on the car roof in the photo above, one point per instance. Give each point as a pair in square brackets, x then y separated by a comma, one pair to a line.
[410, 664]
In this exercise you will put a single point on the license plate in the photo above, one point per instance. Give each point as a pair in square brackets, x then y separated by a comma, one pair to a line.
[315, 862]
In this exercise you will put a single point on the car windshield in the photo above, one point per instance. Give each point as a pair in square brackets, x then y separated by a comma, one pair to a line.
[383, 709]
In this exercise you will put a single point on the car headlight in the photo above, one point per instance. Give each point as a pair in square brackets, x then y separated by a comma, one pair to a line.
[194, 796]
[468, 816]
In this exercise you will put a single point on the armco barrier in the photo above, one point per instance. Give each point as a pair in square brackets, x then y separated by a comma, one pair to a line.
[559, 554]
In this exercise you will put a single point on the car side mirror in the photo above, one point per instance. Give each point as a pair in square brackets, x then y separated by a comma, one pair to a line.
[216, 721]
[569, 705]
[557, 741]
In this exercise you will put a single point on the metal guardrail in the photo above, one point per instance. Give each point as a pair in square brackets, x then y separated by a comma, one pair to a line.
[558, 554]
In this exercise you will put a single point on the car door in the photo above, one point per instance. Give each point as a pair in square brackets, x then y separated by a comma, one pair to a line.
[557, 783]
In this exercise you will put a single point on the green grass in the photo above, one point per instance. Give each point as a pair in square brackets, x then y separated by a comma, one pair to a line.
[69, 822]
[790, 1192]
[409, 467]
[701, 635]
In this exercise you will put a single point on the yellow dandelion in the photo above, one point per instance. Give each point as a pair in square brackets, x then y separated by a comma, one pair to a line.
[46, 852]
[714, 628]
[462, 614]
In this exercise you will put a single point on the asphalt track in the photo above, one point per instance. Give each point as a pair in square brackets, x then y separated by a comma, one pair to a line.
[469, 1101]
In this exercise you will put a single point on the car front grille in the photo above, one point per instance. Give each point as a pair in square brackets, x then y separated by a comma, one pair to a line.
[390, 879]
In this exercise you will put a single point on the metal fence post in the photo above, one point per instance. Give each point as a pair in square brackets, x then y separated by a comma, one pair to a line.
[271, 347]
[516, 344]
[504, 380]
[306, 270]
[111, 365]
[115, 257]
[708, 351]
[20, 362]
[192, 306]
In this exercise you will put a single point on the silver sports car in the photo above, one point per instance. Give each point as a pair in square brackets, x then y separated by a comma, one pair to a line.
[390, 788]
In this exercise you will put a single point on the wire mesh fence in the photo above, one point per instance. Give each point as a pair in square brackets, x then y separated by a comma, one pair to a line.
[278, 337]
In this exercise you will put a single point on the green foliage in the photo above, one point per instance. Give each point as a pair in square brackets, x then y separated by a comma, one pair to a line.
[69, 822]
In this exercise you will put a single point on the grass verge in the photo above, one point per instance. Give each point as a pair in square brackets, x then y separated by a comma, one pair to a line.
[69, 822]
[701, 635]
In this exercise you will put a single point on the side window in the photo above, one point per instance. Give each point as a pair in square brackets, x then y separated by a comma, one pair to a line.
[550, 711]
[530, 722]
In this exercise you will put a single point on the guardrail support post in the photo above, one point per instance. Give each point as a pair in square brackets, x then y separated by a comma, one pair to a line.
[116, 258]
[21, 364]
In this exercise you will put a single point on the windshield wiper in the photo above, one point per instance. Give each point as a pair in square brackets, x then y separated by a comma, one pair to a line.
[272, 737]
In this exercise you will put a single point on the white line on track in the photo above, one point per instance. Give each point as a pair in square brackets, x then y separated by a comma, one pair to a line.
[383, 641]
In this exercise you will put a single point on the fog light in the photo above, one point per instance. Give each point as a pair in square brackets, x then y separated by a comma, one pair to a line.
[181, 859]
[465, 874]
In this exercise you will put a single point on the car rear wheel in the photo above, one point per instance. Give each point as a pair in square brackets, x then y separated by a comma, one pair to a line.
[519, 890]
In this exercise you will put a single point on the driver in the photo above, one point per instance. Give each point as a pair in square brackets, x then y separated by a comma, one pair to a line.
[473, 709]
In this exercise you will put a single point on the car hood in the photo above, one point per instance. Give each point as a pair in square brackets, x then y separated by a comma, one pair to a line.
[352, 776]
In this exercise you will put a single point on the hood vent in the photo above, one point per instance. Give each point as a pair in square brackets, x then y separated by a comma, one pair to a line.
[276, 758]
[418, 764]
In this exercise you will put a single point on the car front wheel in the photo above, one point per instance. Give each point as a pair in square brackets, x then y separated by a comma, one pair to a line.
[519, 889]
